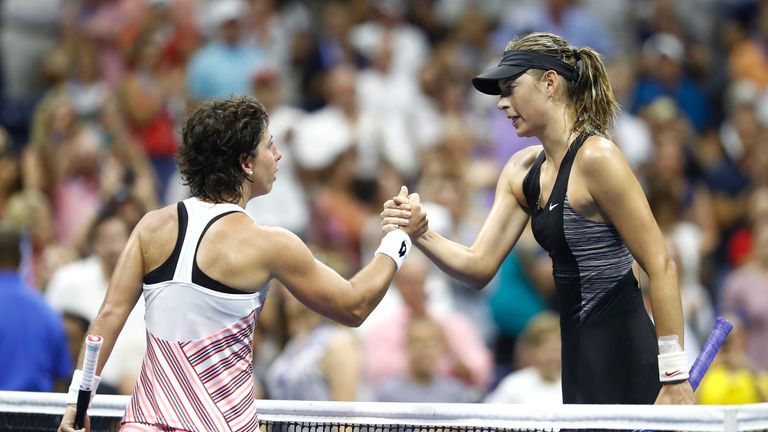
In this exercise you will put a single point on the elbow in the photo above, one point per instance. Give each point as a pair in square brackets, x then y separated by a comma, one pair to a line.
[479, 279]
[106, 312]
[355, 314]
[355, 318]
[669, 267]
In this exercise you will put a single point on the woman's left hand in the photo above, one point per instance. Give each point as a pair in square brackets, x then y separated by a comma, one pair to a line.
[676, 394]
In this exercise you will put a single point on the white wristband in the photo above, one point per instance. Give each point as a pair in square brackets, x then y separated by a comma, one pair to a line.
[74, 387]
[396, 245]
[673, 367]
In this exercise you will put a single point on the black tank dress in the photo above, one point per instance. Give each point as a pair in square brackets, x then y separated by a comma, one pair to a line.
[608, 341]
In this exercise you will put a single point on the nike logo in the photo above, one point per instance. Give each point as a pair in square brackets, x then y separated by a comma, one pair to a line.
[551, 206]
[673, 373]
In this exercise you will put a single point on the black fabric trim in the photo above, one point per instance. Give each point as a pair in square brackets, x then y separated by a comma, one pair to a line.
[537, 60]
[531, 186]
[202, 279]
[168, 268]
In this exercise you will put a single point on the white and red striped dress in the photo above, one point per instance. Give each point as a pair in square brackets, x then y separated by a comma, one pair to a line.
[197, 373]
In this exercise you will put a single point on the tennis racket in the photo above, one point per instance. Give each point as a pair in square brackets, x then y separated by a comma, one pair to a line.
[92, 348]
[706, 355]
[709, 351]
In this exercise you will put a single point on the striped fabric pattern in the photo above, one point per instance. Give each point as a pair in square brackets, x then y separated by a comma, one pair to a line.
[200, 385]
[601, 254]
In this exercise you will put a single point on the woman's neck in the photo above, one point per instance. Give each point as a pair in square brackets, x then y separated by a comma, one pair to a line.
[557, 138]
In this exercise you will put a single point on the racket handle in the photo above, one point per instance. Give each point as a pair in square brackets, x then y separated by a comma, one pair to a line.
[707, 354]
[709, 351]
[92, 348]
[83, 400]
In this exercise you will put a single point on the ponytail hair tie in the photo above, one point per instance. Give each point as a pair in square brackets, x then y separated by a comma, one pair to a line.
[576, 54]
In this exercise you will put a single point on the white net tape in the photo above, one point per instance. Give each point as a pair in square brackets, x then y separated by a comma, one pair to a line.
[730, 418]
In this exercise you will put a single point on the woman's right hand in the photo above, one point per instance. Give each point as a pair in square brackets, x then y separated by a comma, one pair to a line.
[405, 212]
[68, 421]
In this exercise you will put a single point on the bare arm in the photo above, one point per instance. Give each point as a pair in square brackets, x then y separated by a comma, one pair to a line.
[321, 288]
[122, 294]
[477, 264]
[622, 201]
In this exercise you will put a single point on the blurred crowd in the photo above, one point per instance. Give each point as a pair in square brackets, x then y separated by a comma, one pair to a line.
[363, 96]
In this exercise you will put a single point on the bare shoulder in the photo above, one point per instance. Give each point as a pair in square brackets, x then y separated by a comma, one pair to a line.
[271, 241]
[155, 221]
[515, 170]
[598, 153]
[523, 159]
[518, 165]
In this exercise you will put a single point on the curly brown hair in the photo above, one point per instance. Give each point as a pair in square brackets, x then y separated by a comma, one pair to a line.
[217, 137]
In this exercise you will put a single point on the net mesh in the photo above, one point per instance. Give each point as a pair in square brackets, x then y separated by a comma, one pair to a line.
[23, 412]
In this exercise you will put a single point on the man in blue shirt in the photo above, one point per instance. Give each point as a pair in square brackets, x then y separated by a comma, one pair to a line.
[223, 67]
[33, 349]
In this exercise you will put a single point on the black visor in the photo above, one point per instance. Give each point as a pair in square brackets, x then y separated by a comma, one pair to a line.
[514, 63]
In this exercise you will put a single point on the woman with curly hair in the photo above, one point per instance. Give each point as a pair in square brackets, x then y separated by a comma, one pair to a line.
[203, 266]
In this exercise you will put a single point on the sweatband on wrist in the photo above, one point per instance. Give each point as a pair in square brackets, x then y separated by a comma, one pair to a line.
[673, 363]
[74, 386]
[396, 245]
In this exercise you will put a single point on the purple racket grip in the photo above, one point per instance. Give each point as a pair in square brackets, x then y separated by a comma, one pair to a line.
[709, 351]
[707, 354]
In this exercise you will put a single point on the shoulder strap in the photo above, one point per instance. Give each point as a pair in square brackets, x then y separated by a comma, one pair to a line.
[567, 164]
[200, 214]
[166, 270]
[531, 187]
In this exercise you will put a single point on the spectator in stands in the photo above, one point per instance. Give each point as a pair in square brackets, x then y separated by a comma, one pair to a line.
[29, 213]
[222, 67]
[664, 55]
[287, 205]
[464, 355]
[538, 354]
[321, 360]
[425, 345]
[330, 47]
[151, 98]
[33, 348]
[10, 171]
[745, 293]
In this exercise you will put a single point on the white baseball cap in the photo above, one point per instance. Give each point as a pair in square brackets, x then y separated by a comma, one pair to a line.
[222, 11]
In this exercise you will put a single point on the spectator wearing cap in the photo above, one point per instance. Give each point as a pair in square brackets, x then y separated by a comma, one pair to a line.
[222, 68]
[344, 123]
[664, 54]
[410, 46]
[33, 348]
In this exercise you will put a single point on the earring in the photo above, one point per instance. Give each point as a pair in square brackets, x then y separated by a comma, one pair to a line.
[250, 173]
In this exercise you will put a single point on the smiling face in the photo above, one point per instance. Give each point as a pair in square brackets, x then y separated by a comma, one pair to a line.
[264, 165]
[524, 101]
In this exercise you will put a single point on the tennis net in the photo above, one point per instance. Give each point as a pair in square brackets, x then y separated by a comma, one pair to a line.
[22, 412]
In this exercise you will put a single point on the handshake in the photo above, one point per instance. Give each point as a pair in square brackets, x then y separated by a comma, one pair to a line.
[405, 212]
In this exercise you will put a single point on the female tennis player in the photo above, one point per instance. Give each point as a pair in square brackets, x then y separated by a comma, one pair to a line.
[203, 266]
[589, 212]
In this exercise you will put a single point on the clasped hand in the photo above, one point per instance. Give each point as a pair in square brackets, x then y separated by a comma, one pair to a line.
[405, 212]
